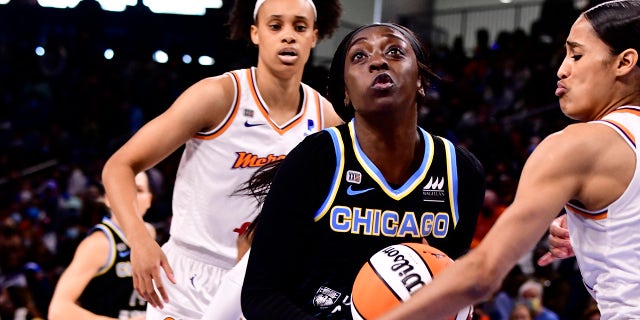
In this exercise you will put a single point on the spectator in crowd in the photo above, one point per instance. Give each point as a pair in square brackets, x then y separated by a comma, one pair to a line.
[531, 294]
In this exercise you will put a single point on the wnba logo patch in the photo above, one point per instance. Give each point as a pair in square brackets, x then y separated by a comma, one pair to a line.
[325, 297]
[354, 176]
[433, 191]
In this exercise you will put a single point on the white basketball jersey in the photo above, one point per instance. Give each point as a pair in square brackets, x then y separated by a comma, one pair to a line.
[215, 163]
[607, 242]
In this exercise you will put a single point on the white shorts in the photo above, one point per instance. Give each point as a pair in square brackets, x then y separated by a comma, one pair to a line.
[196, 284]
[226, 304]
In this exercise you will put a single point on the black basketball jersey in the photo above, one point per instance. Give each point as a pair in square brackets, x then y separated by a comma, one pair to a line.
[361, 203]
[326, 218]
[111, 292]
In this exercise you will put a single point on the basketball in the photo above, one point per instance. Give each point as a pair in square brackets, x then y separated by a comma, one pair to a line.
[393, 274]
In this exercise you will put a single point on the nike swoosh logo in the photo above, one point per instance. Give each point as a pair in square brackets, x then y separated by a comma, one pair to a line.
[123, 254]
[249, 125]
[352, 192]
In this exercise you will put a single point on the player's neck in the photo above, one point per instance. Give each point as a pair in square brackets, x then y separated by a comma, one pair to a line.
[283, 96]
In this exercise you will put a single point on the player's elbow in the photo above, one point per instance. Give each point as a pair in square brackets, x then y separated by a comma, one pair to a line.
[56, 311]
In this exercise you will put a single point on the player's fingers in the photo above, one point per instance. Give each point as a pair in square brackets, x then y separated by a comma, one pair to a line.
[558, 242]
[546, 259]
[167, 269]
[561, 253]
[137, 286]
[153, 283]
[557, 230]
[555, 253]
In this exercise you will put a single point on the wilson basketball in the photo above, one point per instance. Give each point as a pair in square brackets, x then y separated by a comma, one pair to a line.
[393, 274]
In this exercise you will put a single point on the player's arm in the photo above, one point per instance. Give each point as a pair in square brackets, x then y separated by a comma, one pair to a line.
[151, 229]
[201, 107]
[92, 254]
[331, 118]
[550, 178]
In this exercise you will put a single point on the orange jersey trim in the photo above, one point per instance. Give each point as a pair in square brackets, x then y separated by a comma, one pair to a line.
[263, 109]
[624, 130]
[633, 111]
[318, 103]
[230, 118]
[599, 215]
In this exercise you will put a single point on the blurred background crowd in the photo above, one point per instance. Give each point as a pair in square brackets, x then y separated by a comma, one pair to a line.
[63, 113]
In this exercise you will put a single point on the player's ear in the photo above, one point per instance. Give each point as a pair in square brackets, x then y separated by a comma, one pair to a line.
[627, 61]
[315, 37]
[421, 88]
[254, 35]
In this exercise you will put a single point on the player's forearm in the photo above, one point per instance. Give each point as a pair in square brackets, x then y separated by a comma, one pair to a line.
[119, 183]
[457, 286]
[70, 310]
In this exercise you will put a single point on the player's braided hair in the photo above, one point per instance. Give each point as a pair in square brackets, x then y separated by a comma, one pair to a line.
[258, 187]
[259, 183]
[241, 18]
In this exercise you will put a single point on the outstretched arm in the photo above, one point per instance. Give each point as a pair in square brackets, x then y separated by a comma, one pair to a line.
[551, 177]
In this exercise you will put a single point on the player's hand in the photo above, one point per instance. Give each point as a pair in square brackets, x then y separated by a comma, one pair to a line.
[147, 261]
[559, 243]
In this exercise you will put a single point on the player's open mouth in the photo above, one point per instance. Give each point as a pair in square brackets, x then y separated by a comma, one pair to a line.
[288, 56]
[382, 81]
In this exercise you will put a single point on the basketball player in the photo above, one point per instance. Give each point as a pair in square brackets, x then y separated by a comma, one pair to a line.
[349, 191]
[97, 284]
[231, 124]
[591, 168]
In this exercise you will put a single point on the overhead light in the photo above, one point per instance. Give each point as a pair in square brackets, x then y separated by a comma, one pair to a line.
[188, 7]
[160, 56]
[40, 51]
[60, 4]
[108, 54]
[206, 61]
[116, 5]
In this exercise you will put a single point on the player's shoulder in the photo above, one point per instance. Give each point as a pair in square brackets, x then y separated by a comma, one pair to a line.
[208, 96]
[468, 165]
[95, 245]
[579, 138]
[461, 152]
[331, 117]
[315, 140]
[215, 84]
